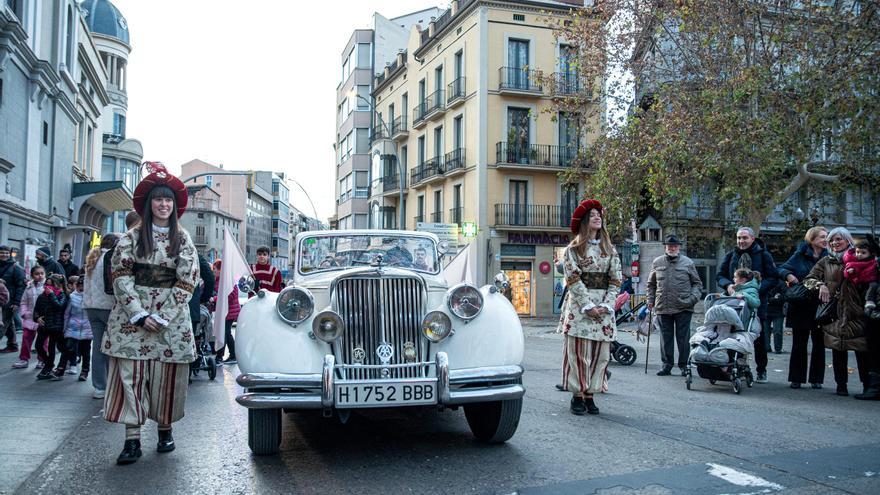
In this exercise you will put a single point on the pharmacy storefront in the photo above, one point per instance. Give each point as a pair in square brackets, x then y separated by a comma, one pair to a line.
[529, 259]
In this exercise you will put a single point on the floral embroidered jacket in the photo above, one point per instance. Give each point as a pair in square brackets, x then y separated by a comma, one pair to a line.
[593, 280]
[159, 286]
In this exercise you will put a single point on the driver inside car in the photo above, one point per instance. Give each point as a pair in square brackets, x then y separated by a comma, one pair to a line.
[421, 261]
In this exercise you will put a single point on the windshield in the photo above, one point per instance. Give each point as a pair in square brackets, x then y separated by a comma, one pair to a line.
[338, 252]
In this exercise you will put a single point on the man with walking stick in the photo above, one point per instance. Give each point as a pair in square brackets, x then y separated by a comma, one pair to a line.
[674, 287]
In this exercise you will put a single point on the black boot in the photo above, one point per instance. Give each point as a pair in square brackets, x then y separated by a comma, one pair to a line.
[873, 390]
[591, 406]
[131, 452]
[577, 406]
[166, 441]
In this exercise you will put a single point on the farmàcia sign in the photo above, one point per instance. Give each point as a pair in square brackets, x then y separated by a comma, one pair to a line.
[537, 238]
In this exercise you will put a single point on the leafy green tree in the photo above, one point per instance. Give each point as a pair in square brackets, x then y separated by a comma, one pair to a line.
[747, 102]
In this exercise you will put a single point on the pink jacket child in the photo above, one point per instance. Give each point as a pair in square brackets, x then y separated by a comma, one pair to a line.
[863, 271]
[29, 326]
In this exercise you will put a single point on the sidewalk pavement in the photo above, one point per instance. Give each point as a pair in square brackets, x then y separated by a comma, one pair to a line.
[37, 417]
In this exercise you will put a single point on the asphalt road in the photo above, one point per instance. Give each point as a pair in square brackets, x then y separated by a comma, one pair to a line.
[653, 436]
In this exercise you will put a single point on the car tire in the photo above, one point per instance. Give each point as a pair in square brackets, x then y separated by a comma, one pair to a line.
[264, 431]
[494, 422]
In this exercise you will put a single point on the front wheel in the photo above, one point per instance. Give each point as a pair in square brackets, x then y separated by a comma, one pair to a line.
[494, 422]
[625, 355]
[264, 431]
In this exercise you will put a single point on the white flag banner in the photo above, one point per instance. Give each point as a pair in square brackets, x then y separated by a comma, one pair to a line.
[232, 269]
[461, 268]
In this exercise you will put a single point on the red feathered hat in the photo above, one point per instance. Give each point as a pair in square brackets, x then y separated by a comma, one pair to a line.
[583, 210]
[159, 176]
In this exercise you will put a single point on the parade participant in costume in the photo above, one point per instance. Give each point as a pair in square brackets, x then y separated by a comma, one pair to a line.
[149, 335]
[593, 278]
[268, 277]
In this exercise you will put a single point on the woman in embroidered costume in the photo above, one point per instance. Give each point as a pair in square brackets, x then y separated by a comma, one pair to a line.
[149, 336]
[592, 276]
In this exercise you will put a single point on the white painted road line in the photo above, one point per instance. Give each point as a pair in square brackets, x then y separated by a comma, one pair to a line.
[740, 478]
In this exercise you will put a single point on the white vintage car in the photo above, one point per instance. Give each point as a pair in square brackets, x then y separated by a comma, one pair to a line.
[369, 321]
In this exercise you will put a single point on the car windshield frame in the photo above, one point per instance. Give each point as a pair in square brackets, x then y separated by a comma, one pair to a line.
[368, 246]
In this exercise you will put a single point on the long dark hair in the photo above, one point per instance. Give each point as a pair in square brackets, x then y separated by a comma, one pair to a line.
[145, 229]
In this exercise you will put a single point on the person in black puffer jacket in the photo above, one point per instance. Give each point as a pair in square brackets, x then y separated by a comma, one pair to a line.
[802, 314]
[49, 315]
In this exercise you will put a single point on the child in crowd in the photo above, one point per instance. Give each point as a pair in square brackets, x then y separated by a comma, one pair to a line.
[28, 322]
[232, 309]
[49, 315]
[268, 277]
[860, 267]
[77, 332]
[746, 284]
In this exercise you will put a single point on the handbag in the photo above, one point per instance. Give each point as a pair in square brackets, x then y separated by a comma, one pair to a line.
[797, 293]
[826, 314]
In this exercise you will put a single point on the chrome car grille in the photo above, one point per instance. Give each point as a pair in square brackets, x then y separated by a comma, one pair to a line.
[376, 311]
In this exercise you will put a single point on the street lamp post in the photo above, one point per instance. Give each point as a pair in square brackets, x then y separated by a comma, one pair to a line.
[401, 224]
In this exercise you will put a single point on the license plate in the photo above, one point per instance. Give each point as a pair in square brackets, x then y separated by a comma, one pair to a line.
[386, 394]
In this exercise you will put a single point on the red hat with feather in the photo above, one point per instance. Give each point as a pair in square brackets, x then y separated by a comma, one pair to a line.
[159, 176]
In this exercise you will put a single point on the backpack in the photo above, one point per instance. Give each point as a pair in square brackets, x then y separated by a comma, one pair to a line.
[108, 279]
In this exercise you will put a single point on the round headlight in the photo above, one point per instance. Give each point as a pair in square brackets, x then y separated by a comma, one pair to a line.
[327, 326]
[247, 284]
[465, 301]
[294, 304]
[436, 326]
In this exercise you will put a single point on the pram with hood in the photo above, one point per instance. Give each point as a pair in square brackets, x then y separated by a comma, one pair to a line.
[720, 349]
[204, 340]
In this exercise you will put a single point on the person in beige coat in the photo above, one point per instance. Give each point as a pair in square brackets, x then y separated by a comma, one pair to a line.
[674, 287]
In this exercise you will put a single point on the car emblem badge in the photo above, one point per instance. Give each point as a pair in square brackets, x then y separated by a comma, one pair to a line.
[409, 352]
[358, 354]
[385, 351]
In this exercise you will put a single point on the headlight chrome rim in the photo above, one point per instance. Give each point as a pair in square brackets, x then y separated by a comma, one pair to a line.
[282, 299]
[436, 317]
[322, 319]
[451, 296]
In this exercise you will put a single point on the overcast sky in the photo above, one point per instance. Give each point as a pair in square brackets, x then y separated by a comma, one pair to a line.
[251, 85]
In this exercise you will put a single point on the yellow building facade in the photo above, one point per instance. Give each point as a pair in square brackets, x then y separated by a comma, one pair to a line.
[466, 114]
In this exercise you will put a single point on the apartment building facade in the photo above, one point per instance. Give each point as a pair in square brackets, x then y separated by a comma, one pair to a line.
[205, 221]
[463, 113]
[366, 52]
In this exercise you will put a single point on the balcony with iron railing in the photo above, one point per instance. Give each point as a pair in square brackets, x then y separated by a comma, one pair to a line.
[437, 217]
[568, 84]
[455, 92]
[418, 219]
[380, 132]
[539, 216]
[534, 156]
[200, 240]
[387, 185]
[455, 214]
[427, 172]
[453, 162]
[519, 80]
[418, 119]
[435, 105]
[399, 129]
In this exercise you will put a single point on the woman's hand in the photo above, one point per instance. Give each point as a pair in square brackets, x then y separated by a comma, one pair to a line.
[730, 290]
[824, 294]
[791, 279]
[152, 325]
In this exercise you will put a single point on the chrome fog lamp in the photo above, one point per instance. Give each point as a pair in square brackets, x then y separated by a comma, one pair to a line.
[247, 284]
[436, 326]
[328, 326]
[465, 301]
[294, 305]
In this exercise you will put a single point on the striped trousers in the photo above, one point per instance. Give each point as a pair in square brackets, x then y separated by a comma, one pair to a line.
[141, 390]
[583, 365]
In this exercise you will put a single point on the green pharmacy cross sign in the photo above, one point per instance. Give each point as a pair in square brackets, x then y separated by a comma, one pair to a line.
[469, 229]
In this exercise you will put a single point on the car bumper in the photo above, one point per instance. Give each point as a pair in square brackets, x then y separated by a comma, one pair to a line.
[316, 391]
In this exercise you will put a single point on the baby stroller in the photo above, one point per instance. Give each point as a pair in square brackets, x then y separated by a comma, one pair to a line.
[622, 353]
[205, 359]
[720, 349]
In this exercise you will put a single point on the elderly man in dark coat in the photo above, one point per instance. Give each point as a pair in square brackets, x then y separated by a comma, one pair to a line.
[674, 287]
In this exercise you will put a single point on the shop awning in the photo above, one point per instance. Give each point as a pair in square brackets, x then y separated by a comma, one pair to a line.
[93, 202]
